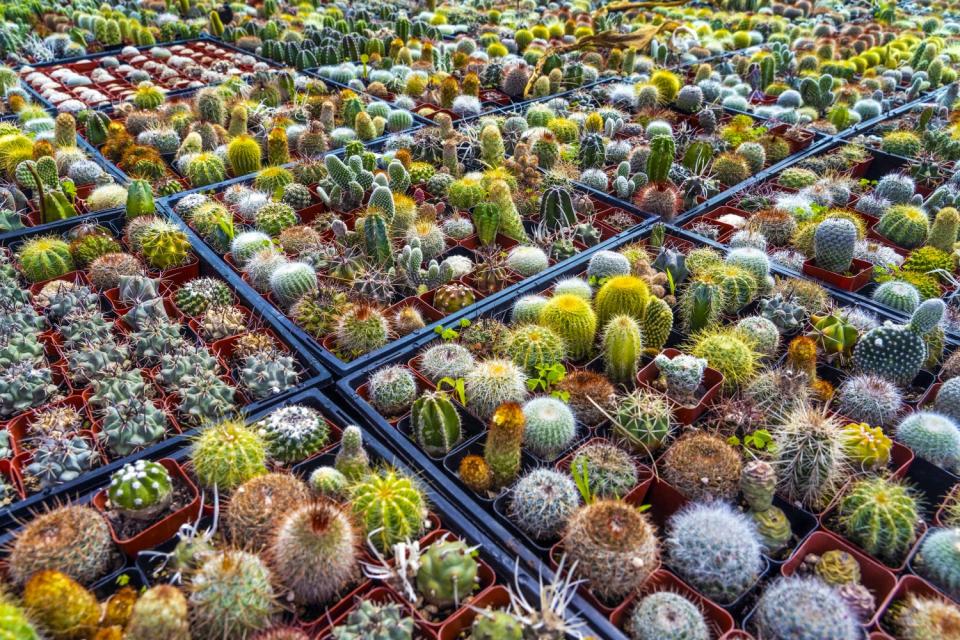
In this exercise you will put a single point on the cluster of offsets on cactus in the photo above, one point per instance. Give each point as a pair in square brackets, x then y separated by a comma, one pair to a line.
[479, 320]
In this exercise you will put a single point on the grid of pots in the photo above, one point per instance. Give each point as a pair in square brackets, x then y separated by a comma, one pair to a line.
[921, 134]
[324, 234]
[83, 179]
[308, 119]
[815, 528]
[145, 556]
[100, 80]
[708, 156]
[122, 355]
[875, 190]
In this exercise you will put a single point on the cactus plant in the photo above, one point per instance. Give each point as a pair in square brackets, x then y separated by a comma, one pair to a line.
[881, 516]
[933, 437]
[665, 615]
[389, 506]
[897, 352]
[435, 423]
[550, 426]
[804, 609]
[228, 454]
[140, 490]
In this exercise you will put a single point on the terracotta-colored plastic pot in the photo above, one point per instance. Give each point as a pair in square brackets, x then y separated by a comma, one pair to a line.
[165, 528]
[496, 597]
[685, 414]
[861, 269]
[908, 584]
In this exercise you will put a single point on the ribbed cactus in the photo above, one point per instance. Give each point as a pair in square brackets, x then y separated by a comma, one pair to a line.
[662, 152]
[390, 507]
[140, 490]
[572, 318]
[447, 574]
[66, 610]
[504, 439]
[622, 348]
[435, 423]
[372, 621]
[881, 516]
[231, 596]
[228, 454]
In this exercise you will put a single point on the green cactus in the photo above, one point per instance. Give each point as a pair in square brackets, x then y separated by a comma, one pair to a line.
[390, 507]
[447, 573]
[435, 423]
[622, 347]
[834, 244]
[881, 516]
[140, 490]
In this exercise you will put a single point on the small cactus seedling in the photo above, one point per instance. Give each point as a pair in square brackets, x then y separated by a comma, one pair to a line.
[140, 490]
[447, 573]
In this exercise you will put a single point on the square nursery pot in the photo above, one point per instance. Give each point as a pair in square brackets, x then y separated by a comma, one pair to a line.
[719, 621]
[165, 528]
[737, 634]
[458, 625]
[861, 269]
[379, 595]
[709, 389]
[908, 584]
[880, 580]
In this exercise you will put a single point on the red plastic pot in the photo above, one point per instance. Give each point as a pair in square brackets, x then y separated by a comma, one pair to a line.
[908, 584]
[737, 634]
[10, 472]
[874, 576]
[712, 382]
[496, 597]
[162, 530]
[861, 269]
[718, 619]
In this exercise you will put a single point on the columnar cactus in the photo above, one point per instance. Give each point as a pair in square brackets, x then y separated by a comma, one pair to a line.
[435, 423]
[834, 243]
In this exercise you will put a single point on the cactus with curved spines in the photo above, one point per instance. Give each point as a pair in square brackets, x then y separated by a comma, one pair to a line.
[255, 507]
[933, 437]
[361, 329]
[624, 294]
[905, 225]
[315, 552]
[231, 595]
[448, 573]
[163, 245]
[392, 390]
[643, 418]
[541, 503]
[805, 609]
[72, 539]
[614, 547]
[572, 318]
[714, 548]
[727, 351]
[203, 397]
[65, 609]
[897, 352]
[811, 461]
[550, 426]
[917, 617]
[532, 346]
[702, 467]
[44, 258]
[869, 398]
[160, 613]
[140, 490]
[881, 516]
[834, 243]
[622, 347]
[390, 504]
[664, 615]
[243, 154]
[868, 447]
[228, 454]
[435, 423]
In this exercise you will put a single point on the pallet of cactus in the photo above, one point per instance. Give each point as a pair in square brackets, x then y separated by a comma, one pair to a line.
[661, 161]
[246, 126]
[50, 173]
[363, 251]
[118, 356]
[137, 75]
[924, 133]
[345, 543]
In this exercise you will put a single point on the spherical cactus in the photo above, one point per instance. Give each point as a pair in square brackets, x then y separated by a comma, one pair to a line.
[163, 245]
[918, 617]
[527, 309]
[905, 225]
[729, 352]
[74, 540]
[65, 609]
[160, 613]
[550, 427]
[291, 281]
[44, 258]
[527, 261]
[938, 559]
[644, 419]
[243, 154]
[881, 516]
[294, 433]
[231, 596]
[254, 508]
[228, 454]
[869, 398]
[204, 169]
[715, 549]
[446, 360]
[901, 143]
[392, 390]
[703, 466]
[369, 619]
[532, 346]
[837, 567]
[390, 507]
[947, 401]
[275, 217]
[607, 264]
[447, 573]
[610, 470]
[476, 473]
[804, 609]
[932, 436]
[329, 483]
[572, 318]
[834, 243]
[361, 329]
[762, 334]
[614, 545]
[621, 295]
[898, 295]
[492, 383]
[140, 490]
[492, 624]
[315, 552]
[896, 188]
[453, 297]
[868, 447]
[665, 615]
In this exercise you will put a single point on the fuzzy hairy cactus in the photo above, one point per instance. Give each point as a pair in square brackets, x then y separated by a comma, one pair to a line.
[933, 437]
[542, 502]
[834, 243]
[231, 596]
[703, 466]
[665, 615]
[66, 609]
[804, 609]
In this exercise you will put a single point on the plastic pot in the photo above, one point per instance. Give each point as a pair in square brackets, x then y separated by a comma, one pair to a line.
[495, 597]
[907, 585]
[879, 579]
[163, 529]
[861, 269]
[685, 414]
